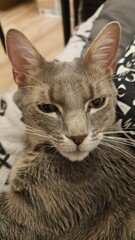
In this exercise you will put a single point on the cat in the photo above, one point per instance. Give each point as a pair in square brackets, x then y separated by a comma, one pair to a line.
[75, 179]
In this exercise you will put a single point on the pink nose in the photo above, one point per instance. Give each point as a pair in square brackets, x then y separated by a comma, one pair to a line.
[78, 139]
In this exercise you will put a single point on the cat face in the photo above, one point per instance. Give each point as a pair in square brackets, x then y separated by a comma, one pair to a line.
[68, 106]
[76, 100]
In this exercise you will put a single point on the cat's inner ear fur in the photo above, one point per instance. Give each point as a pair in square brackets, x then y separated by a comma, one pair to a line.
[23, 56]
[104, 48]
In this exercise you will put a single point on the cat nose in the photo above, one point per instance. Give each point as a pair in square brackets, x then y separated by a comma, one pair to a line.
[78, 139]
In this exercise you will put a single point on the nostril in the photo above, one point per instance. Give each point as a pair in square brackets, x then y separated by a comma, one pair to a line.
[78, 139]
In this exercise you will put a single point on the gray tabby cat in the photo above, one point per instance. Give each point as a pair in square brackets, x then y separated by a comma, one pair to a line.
[75, 180]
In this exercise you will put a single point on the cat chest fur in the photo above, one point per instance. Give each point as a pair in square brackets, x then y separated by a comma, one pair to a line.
[79, 199]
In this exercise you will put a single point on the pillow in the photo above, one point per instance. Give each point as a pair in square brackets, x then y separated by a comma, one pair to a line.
[125, 83]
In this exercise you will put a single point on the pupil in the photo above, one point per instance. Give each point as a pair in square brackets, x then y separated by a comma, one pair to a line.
[97, 102]
[47, 108]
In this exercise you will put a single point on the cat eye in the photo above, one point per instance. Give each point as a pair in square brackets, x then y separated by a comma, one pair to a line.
[48, 108]
[96, 103]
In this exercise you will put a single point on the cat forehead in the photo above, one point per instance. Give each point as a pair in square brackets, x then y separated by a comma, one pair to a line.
[78, 72]
[76, 81]
[77, 75]
[68, 79]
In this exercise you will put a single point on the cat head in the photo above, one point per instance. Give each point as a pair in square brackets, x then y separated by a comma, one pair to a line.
[66, 106]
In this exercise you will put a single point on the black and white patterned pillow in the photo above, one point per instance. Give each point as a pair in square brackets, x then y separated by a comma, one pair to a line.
[3, 106]
[125, 83]
[3, 155]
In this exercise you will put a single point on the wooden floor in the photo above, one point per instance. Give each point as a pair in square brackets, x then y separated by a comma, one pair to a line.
[44, 32]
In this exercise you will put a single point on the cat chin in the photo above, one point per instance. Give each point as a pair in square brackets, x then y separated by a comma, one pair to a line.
[75, 156]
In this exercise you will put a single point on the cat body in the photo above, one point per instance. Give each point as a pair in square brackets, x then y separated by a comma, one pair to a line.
[70, 200]
[73, 180]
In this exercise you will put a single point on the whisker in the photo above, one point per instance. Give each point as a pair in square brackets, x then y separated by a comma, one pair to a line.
[41, 133]
[38, 134]
[35, 134]
[121, 138]
[120, 142]
[129, 128]
[116, 132]
[127, 154]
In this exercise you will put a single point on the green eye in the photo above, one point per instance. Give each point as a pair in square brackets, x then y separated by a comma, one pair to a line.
[96, 103]
[48, 108]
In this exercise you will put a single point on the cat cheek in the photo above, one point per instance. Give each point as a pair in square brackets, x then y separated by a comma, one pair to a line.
[19, 79]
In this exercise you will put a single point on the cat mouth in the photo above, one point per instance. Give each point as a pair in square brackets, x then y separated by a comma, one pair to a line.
[76, 155]
[80, 152]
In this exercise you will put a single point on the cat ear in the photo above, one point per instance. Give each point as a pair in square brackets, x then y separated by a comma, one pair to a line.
[23, 56]
[104, 48]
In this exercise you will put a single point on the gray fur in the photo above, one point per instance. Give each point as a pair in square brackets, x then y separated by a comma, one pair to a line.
[60, 191]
